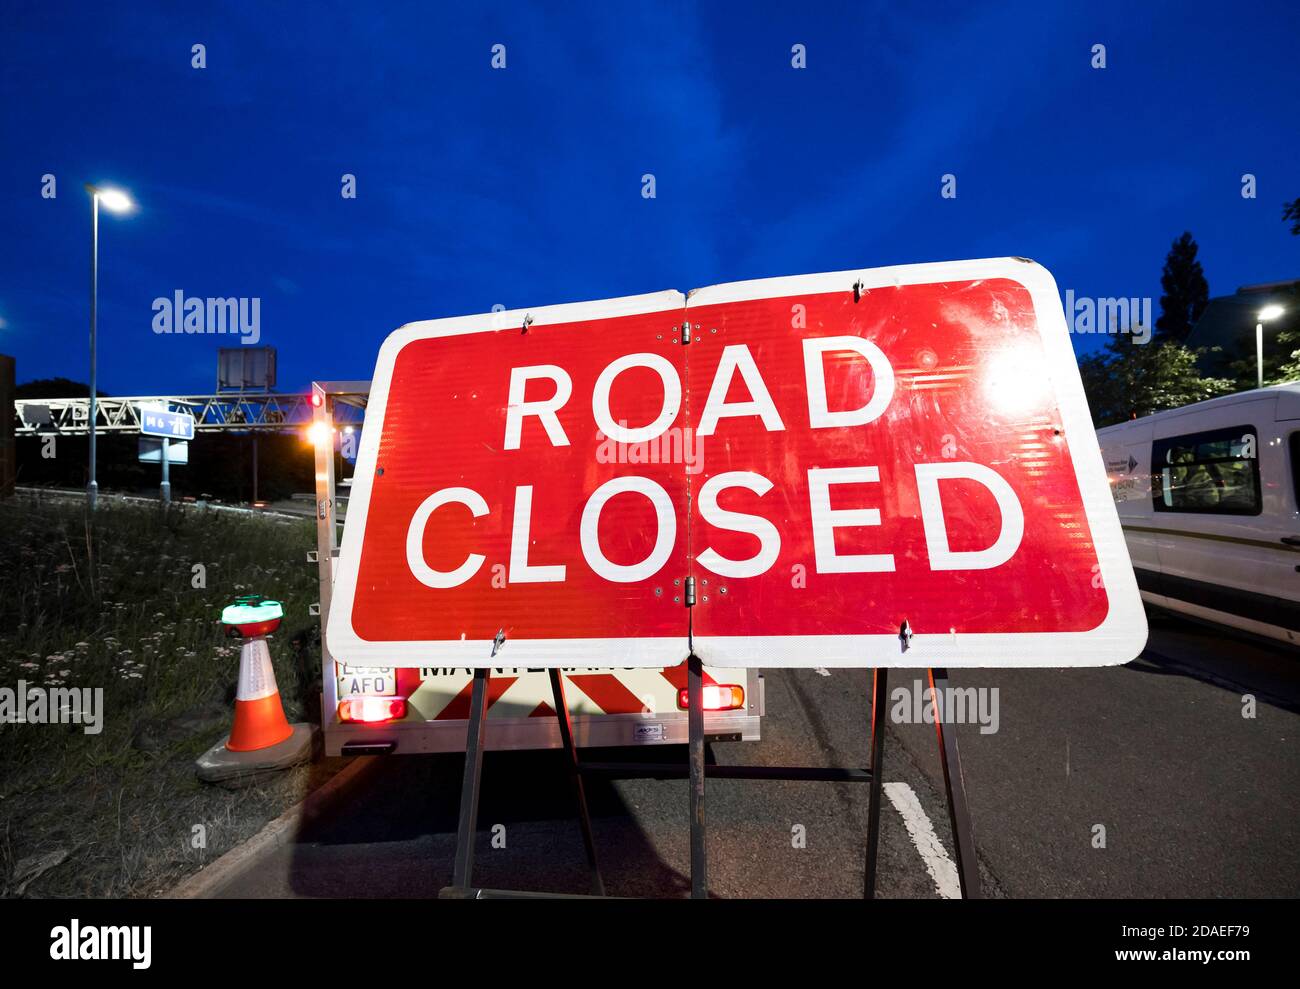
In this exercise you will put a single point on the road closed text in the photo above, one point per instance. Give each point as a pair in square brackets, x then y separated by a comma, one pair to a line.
[825, 486]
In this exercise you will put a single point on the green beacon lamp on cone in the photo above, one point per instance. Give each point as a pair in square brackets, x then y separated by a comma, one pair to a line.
[252, 615]
[261, 739]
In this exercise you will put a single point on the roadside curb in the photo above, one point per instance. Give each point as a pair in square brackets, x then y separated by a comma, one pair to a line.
[274, 835]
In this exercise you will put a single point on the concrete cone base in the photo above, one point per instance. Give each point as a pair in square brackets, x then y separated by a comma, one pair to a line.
[238, 769]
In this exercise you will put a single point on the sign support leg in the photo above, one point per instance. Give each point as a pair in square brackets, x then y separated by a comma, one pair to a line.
[466, 831]
[695, 745]
[575, 774]
[165, 489]
[963, 836]
[879, 693]
[949, 757]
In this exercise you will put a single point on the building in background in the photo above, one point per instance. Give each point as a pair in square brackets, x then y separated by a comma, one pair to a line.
[1228, 324]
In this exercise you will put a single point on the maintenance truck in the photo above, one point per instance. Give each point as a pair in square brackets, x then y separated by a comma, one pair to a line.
[380, 710]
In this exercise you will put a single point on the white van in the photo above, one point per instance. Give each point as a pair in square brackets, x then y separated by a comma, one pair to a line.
[1207, 495]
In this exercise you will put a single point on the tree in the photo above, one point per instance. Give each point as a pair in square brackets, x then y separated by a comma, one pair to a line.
[54, 388]
[1186, 291]
[1128, 379]
[1289, 368]
[1281, 358]
[1291, 211]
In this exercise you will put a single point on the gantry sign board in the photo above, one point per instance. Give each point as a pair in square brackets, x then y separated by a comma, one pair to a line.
[150, 451]
[156, 420]
[828, 456]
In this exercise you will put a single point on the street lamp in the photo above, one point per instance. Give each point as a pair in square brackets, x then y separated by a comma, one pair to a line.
[115, 201]
[1265, 314]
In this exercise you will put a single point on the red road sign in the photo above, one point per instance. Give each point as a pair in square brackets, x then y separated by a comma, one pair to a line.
[829, 456]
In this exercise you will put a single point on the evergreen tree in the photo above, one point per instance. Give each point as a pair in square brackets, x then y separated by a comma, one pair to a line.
[1186, 291]
[1291, 211]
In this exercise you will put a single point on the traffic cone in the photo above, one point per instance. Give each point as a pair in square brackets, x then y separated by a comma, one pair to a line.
[259, 715]
[261, 741]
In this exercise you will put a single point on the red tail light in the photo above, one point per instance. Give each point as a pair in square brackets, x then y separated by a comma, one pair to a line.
[717, 697]
[369, 710]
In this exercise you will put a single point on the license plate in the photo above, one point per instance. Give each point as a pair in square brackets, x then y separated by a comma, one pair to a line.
[373, 681]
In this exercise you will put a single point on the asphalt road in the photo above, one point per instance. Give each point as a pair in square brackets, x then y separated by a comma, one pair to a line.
[1195, 798]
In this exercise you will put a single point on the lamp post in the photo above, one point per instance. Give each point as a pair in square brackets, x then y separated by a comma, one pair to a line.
[1267, 313]
[115, 201]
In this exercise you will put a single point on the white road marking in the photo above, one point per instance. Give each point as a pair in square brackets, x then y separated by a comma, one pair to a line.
[822, 670]
[921, 831]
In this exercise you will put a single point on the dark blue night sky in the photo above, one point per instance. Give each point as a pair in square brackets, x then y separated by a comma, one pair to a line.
[522, 186]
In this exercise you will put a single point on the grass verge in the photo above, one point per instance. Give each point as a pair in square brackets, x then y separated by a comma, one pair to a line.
[129, 600]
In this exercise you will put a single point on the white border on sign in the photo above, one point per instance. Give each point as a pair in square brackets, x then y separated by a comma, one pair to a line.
[1120, 637]
[342, 639]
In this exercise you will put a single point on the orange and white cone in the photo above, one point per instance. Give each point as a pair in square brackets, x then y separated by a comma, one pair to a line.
[259, 715]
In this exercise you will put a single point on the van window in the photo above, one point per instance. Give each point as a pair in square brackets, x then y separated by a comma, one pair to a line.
[1213, 473]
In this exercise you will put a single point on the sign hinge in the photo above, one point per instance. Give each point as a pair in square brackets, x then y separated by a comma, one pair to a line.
[686, 333]
[689, 594]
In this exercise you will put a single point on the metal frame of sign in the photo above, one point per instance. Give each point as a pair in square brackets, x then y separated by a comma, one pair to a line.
[696, 772]
[1122, 631]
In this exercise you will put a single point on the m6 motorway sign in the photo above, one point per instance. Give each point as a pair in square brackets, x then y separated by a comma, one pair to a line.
[820, 458]
[158, 421]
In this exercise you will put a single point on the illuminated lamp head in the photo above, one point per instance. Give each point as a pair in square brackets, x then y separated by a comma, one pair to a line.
[252, 615]
[320, 434]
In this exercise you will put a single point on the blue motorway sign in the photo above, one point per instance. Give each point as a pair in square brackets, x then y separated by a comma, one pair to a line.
[160, 422]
